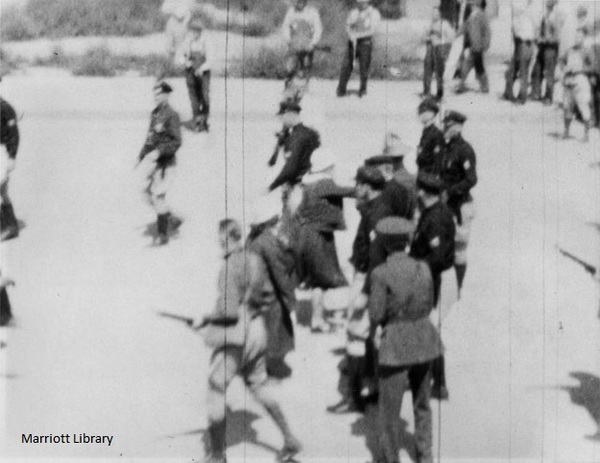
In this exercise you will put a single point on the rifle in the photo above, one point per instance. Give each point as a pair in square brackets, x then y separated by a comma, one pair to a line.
[589, 268]
[187, 320]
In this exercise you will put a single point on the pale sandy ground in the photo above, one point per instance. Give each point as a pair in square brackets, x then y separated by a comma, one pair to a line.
[89, 355]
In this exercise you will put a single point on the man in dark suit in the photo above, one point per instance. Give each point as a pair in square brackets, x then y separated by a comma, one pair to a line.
[400, 301]
[432, 138]
[298, 142]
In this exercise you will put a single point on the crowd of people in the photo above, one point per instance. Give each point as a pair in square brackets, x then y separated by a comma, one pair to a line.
[413, 228]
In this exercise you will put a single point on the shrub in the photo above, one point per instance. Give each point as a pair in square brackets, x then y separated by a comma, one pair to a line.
[9, 63]
[16, 25]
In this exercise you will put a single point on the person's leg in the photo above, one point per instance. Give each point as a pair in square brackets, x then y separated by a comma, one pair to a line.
[441, 55]
[537, 74]
[9, 226]
[291, 67]
[461, 240]
[392, 384]
[420, 379]
[317, 322]
[365, 49]
[204, 92]
[190, 80]
[160, 185]
[467, 65]
[583, 100]
[428, 68]
[346, 70]
[525, 57]
[509, 76]
[478, 62]
[550, 61]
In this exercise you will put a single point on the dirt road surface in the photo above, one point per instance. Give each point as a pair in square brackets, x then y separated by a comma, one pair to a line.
[89, 355]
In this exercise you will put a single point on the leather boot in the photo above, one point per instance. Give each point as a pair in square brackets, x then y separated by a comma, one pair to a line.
[214, 443]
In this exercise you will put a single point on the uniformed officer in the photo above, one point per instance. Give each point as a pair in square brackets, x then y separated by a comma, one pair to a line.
[432, 138]
[197, 56]
[237, 334]
[397, 150]
[459, 175]
[298, 143]
[434, 243]
[302, 30]
[394, 193]
[9, 140]
[164, 138]
[360, 26]
[400, 301]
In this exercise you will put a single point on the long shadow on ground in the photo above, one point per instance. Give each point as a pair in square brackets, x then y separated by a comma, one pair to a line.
[587, 395]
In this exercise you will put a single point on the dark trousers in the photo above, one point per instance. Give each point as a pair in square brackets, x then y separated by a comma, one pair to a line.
[362, 54]
[595, 80]
[5, 311]
[519, 68]
[475, 60]
[393, 382]
[298, 61]
[351, 380]
[435, 63]
[544, 69]
[198, 89]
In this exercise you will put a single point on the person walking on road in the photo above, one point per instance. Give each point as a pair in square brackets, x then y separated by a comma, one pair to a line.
[400, 301]
[438, 39]
[432, 138]
[197, 55]
[360, 27]
[163, 139]
[524, 33]
[302, 30]
[237, 334]
[434, 243]
[268, 240]
[459, 175]
[9, 145]
[477, 41]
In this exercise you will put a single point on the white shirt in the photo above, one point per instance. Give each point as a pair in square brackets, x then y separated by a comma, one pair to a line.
[197, 51]
[524, 26]
[362, 23]
[302, 29]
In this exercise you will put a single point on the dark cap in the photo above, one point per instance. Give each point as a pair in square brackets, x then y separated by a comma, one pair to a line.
[380, 159]
[395, 226]
[163, 87]
[454, 117]
[429, 183]
[428, 104]
[289, 105]
[370, 176]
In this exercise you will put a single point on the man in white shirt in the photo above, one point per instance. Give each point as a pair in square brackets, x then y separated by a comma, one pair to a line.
[302, 30]
[196, 56]
[524, 34]
[360, 26]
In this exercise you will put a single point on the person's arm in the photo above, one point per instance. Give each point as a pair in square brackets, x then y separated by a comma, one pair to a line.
[317, 28]
[378, 291]
[150, 144]
[470, 178]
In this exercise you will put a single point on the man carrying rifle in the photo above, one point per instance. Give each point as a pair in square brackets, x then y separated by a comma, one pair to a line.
[360, 26]
[237, 333]
[302, 30]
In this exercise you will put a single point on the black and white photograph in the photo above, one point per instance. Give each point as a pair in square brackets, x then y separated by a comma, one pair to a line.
[300, 231]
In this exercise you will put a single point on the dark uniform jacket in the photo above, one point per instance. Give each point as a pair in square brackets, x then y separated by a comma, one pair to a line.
[299, 142]
[9, 131]
[428, 151]
[458, 172]
[280, 262]
[366, 255]
[401, 299]
[434, 238]
[323, 205]
[164, 135]
[398, 197]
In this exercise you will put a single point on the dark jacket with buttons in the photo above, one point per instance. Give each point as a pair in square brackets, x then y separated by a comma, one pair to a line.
[429, 149]
[164, 135]
[458, 172]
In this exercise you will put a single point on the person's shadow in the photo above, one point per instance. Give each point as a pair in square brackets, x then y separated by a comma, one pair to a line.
[238, 430]
[366, 425]
[587, 395]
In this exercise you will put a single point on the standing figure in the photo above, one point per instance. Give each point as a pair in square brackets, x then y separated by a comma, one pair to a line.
[458, 174]
[164, 138]
[439, 38]
[9, 140]
[477, 41]
[434, 243]
[524, 34]
[544, 68]
[197, 55]
[360, 26]
[320, 213]
[237, 334]
[400, 301]
[298, 143]
[5, 309]
[395, 194]
[179, 15]
[268, 240]
[432, 138]
[302, 30]
[576, 64]
[396, 149]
